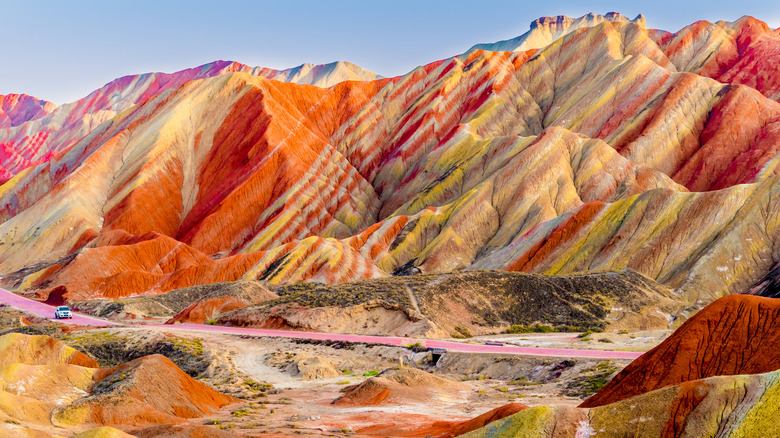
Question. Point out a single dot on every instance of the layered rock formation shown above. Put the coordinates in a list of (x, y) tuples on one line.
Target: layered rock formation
[(723, 406), (33, 131), (401, 385), (545, 30), (481, 302), (612, 147), (44, 383), (16, 109), (734, 335)]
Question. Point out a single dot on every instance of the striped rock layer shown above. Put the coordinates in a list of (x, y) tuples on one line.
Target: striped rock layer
[(717, 375), (734, 335), (723, 406), (612, 147), (45, 384), (32, 131)]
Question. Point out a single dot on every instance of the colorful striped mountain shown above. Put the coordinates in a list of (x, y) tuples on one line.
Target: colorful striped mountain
[(611, 147)]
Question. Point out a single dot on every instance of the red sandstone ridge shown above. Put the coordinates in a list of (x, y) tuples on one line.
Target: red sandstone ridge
[(220, 298), (144, 392), (441, 429), (483, 420), (737, 334), (16, 109)]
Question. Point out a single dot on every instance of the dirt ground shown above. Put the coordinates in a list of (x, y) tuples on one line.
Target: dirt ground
[(299, 406)]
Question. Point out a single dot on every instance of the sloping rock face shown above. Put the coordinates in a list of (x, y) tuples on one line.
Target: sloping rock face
[(16, 109), (723, 406), (544, 31), (481, 302), (229, 297), (37, 130), (442, 429), (401, 386), (613, 147), (40, 350), (738, 334), (148, 391), (44, 383)]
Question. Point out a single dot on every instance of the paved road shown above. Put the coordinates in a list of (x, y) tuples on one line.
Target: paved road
[(47, 311)]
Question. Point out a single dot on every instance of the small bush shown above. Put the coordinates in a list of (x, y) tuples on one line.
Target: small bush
[(463, 332), (538, 328), (517, 328), (371, 373), (416, 347)]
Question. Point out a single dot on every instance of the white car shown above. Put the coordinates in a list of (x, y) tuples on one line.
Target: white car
[(62, 312)]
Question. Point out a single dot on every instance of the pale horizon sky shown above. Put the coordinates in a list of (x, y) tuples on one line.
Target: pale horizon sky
[(62, 50)]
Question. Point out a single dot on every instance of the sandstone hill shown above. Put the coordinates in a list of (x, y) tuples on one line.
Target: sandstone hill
[(45, 384), (433, 305), (723, 406), (734, 335)]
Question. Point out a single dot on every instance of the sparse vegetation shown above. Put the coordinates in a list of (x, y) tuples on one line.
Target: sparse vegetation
[(462, 333), (371, 373), (110, 349), (542, 328), (524, 381), (416, 347), (591, 380)]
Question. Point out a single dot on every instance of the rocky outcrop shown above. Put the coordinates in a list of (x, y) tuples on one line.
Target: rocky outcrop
[(40, 350), (44, 383), (545, 30), (738, 334), (734, 406), (224, 298), (148, 391), (401, 385)]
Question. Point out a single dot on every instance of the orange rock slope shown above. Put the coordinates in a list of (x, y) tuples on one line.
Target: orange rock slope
[(738, 334), (599, 151), (45, 384)]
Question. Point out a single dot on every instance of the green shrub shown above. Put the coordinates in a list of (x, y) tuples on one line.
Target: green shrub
[(464, 332), (538, 328)]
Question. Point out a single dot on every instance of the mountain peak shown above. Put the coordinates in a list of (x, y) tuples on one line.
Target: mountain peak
[(545, 30)]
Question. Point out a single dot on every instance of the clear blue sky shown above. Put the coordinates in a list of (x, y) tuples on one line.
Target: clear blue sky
[(61, 50)]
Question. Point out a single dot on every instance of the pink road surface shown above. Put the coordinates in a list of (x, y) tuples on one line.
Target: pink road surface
[(390, 340), (46, 311)]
